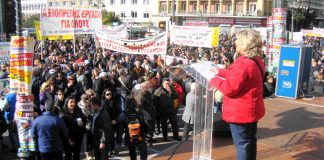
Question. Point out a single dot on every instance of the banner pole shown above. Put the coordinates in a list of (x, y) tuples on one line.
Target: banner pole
[(74, 35)]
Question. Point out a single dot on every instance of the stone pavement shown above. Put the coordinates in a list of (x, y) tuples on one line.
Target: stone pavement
[(290, 130)]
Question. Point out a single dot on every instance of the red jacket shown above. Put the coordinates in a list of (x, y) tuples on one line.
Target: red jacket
[(242, 87)]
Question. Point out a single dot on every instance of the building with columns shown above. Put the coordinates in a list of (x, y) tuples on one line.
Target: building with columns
[(232, 12), (77, 3), (31, 7)]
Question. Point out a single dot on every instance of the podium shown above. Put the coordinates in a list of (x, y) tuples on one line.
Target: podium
[(203, 112)]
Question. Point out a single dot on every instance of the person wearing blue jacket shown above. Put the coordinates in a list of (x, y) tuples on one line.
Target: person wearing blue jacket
[(8, 105), (49, 131)]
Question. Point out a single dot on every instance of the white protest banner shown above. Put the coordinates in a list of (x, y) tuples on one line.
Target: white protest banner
[(118, 31), (191, 36), (152, 45), (62, 21), (4, 52), (169, 59), (313, 33)]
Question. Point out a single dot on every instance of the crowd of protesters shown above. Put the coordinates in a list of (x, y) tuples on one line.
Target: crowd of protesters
[(106, 99), (317, 70)]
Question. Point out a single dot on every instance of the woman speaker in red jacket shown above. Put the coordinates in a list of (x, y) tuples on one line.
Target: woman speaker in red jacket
[(242, 86)]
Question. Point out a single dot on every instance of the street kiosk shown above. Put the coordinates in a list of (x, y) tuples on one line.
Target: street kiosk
[(294, 70)]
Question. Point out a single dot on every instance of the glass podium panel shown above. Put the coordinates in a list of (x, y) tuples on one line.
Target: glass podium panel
[(203, 117)]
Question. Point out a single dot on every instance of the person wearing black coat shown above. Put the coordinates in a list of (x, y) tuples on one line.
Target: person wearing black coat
[(97, 82), (72, 88), (163, 102), (110, 103), (75, 121), (135, 114), (101, 129)]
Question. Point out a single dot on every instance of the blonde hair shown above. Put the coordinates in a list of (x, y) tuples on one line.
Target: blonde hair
[(90, 91), (250, 41), (43, 87)]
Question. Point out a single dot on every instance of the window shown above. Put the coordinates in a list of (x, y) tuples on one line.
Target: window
[(90, 2), (57, 3), (205, 7), (146, 15), (164, 8), (122, 14), (112, 2), (134, 14), (72, 3), (184, 6), (194, 7), (228, 8), (146, 2), (217, 7), (81, 2), (252, 8), (122, 1), (134, 1), (64, 3)]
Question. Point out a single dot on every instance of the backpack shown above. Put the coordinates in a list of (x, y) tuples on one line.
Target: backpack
[(134, 129)]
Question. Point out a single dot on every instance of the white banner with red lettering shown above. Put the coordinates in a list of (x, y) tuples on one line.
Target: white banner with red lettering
[(152, 45), (62, 21), (191, 36)]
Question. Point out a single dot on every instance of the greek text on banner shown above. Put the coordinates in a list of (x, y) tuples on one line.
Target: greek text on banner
[(192, 36), (69, 21), (152, 45)]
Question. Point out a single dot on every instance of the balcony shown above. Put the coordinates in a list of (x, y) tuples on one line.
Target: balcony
[(251, 13)]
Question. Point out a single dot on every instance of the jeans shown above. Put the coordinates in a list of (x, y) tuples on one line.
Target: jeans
[(244, 138)]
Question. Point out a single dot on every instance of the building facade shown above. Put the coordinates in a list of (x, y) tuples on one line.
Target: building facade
[(77, 3), (32, 7), (2, 24), (216, 12), (132, 11)]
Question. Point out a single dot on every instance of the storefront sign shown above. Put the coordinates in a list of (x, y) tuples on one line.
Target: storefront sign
[(195, 23), (219, 20)]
